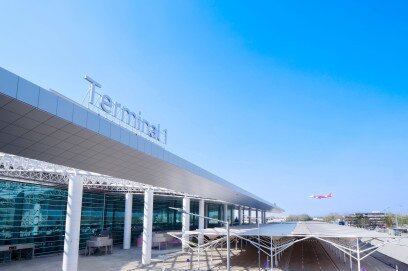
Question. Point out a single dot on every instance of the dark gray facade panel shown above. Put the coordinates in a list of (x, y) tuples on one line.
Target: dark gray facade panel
[(27, 123), (19, 108)]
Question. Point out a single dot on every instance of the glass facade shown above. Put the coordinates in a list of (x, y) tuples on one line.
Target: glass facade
[(31, 213), (215, 211)]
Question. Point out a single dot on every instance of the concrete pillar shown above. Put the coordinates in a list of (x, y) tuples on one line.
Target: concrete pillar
[(239, 215), (147, 227), (225, 212), (249, 216), (72, 223), (128, 221), (186, 222), (201, 205)]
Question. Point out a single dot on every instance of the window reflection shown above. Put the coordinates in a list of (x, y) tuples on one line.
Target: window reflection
[(31, 213)]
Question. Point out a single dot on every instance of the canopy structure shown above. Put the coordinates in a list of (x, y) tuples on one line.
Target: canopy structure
[(272, 239), (46, 126), (296, 229), (34, 171)]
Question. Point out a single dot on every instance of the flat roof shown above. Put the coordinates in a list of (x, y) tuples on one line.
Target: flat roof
[(296, 229), (40, 124)]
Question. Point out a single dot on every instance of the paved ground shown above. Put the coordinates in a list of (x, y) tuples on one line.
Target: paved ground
[(398, 250), (119, 260), (129, 260), (310, 255), (368, 264), (303, 256)]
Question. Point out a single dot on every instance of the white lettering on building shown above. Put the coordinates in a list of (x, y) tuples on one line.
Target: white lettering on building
[(127, 118)]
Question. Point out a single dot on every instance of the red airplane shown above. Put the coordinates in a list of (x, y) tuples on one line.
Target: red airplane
[(321, 196)]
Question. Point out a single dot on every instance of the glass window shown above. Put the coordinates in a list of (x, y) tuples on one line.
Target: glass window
[(32, 213)]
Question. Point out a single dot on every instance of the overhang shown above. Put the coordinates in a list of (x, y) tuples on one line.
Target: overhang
[(40, 124)]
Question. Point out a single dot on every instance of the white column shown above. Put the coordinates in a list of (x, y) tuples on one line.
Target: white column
[(205, 214), (257, 215), (271, 253), (201, 205), (128, 221), (275, 244), (72, 224), (239, 215), (225, 212), (186, 222), (358, 256), (147, 227)]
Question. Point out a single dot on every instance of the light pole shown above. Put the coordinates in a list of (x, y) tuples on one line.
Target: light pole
[(226, 223)]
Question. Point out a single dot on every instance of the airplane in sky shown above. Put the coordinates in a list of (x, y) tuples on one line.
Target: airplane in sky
[(321, 196)]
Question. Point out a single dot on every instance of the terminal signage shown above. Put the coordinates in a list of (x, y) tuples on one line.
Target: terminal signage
[(127, 118)]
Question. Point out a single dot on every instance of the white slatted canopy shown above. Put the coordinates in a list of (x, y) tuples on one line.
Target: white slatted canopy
[(296, 229)]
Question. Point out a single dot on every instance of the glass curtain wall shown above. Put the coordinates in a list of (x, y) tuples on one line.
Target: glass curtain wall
[(31, 213), (194, 206), (215, 211)]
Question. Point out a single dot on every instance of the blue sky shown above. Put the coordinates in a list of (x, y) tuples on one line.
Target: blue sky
[(283, 99)]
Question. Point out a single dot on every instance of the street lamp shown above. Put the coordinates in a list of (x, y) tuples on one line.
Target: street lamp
[(226, 223)]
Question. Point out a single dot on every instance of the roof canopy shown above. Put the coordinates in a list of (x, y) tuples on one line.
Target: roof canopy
[(46, 126), (295, 229)]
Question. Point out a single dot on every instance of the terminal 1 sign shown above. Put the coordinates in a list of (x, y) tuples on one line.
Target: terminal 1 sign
[(115, 111)]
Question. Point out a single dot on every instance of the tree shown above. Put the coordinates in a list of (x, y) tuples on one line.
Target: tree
[(333, 217), (389, 220), (301, 217)]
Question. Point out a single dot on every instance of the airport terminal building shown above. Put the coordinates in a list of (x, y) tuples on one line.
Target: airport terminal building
[(69, 171)]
